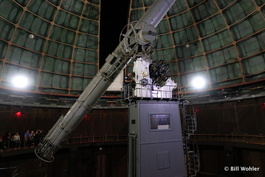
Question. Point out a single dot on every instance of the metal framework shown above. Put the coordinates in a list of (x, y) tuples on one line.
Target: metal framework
[(54, 43), (222, 41)]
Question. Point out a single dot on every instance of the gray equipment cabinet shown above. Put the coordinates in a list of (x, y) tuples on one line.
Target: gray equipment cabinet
[(155, 139)]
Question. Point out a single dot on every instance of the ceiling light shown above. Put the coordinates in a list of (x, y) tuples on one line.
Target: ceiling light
[(198, 82), (20, 82)]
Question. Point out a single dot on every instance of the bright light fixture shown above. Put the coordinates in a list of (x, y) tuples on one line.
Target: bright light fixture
[(198, 82), (20, 82)]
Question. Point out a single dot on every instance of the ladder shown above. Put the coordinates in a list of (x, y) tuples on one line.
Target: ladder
[(191, 150)]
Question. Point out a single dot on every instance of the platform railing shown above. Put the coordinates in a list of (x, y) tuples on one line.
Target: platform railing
[(148, 91), (72, 140), (96, 139), (234, 138)]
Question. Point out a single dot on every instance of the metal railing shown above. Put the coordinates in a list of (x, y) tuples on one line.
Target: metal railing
[(148, 91), (72, 140), (234, 138), (97, 139)]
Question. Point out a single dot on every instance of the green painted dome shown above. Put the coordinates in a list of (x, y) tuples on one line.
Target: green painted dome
[(220, 40), (54, 43)]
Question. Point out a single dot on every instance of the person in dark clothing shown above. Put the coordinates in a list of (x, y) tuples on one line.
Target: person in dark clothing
[(1, 144), (8, 140), (27, 139), (129, 83), (37, 137)]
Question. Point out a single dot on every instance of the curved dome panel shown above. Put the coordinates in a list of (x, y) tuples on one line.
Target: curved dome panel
[(222, 41), (54, 43)]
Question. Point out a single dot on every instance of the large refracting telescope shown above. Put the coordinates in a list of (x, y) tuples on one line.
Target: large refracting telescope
[(139, 40)]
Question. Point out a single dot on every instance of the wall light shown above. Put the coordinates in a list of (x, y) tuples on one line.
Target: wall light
[(198, 82), (20, 82), (18, 114)]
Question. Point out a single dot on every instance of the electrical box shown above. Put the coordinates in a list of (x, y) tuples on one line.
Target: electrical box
[(155, 139)]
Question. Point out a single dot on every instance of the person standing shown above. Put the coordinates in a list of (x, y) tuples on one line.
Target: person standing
[(8, 140), (128, 80), (27, 139), (31, 137), (37, 137), (16, 140), (1, 144)]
